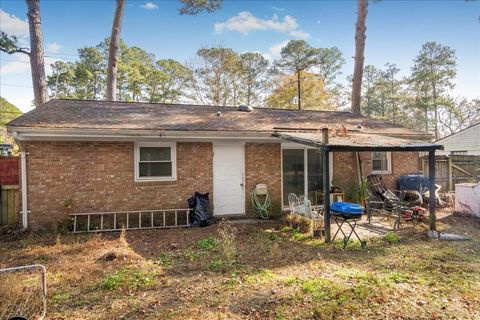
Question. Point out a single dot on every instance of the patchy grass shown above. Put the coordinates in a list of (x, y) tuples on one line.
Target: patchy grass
[(392, 237), (207, 244), (165, 259), (131, 279), (263, 271)]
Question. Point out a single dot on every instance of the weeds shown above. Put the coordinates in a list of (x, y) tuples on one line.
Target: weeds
[(392, 237), (297, 235), (165, 259), (216, 265), (227, 234), (131, 279), (262, 277), (122, 238), (207, 243)]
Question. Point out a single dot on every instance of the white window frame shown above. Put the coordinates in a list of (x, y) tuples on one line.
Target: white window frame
[(289, 145), (389, 164), (173, 157)]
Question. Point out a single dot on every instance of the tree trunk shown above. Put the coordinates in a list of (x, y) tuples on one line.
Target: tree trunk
[(434, 87), (37, 64), (360, 35), (113, 52), (299, 90), (426, 118)]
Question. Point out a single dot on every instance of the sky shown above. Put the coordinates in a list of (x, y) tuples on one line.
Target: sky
[(396, 31)]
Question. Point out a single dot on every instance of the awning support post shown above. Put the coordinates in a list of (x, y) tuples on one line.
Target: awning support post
[(432, 201), (326, 187)]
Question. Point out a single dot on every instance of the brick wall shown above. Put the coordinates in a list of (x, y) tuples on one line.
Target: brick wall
[(344, 174), (9, 170), (99, 176), (263, 165)]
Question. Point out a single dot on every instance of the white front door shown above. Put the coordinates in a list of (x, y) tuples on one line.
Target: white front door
[(228, 178)]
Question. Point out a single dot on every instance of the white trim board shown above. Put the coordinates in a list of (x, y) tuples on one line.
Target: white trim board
[(173, 157)]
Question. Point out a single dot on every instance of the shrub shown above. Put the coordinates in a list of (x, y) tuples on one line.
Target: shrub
[(65, 225), (227, 234)]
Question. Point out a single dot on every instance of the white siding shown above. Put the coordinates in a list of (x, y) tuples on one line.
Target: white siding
[(467, 140)]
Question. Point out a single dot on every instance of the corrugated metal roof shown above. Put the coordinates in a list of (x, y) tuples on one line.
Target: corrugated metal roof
[(84, 114), (343, 141)]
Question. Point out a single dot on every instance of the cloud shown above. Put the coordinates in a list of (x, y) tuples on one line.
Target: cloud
[(246, 22), (274, 8), (274, 51), (53, 47), (21, 64), (150, 6), (13, 25), (299, 34)]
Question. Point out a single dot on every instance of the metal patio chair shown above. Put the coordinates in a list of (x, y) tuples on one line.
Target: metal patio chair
[(383, 200), (302, 206)]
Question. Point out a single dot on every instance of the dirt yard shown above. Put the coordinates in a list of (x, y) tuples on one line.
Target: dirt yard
[(258, 271)]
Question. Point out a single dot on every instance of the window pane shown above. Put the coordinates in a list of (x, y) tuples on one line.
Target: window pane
[(315, 176), (379, 155), (155, 154), (155, 169), (379, 161), (384, 164), (377, 165), (293, 173)]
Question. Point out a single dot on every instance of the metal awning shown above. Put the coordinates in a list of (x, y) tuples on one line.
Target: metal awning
[(357, 142)]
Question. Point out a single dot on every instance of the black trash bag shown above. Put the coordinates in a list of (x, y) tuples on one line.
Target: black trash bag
[(199, 216)]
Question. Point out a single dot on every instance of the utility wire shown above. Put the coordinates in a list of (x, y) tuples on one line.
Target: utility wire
[(15, 85)]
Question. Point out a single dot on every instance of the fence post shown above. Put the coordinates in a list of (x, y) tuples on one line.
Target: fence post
[(450, 173), (431, 200)]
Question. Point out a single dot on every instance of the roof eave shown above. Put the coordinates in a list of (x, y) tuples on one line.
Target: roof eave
[(359, 148), (35, 133)]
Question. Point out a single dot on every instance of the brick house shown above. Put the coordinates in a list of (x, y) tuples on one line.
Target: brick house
[(115, 156)]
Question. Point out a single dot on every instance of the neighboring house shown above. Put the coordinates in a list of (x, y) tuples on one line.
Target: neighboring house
[(464, 142), (116, 156)]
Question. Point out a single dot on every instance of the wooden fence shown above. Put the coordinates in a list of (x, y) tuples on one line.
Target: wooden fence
[(9, 204), (450, 170)]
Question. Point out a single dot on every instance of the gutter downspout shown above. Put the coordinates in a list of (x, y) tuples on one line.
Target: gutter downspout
[(23, 170)]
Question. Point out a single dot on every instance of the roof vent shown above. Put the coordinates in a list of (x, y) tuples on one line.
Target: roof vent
[(245, 108), (219, 113), (359, 126)]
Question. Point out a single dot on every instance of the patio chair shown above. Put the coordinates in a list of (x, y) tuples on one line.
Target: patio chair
[(302, 206), (385, 201)]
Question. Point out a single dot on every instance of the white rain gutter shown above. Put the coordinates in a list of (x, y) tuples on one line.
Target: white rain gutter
[(26, 133)]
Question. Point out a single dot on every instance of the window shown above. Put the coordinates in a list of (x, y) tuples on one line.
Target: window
[(302, 174), (155, 162), (381, 162)]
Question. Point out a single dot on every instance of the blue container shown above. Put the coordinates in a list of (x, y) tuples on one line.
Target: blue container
[(417, 182), (347, 210)]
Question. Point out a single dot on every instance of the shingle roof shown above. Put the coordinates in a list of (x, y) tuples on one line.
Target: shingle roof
[(88, 114)]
